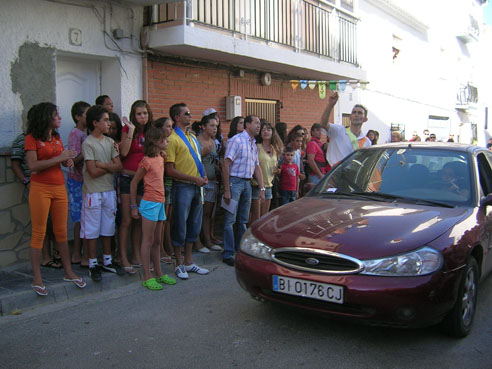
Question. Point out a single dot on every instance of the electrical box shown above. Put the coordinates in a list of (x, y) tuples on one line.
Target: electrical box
[(233, 107)]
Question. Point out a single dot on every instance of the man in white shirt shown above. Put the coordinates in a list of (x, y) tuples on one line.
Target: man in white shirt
[(344, 141)]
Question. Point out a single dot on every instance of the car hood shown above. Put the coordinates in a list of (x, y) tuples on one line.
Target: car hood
[(358, 228)]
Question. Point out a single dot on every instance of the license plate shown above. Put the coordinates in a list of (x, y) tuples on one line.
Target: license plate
[(304, 288)]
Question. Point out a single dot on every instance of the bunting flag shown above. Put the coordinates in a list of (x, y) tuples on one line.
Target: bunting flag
[(342, 84), (322, 89), (333, 85), (353, 84), (294, 84), (312, 84), (363, 84), (304, 83)]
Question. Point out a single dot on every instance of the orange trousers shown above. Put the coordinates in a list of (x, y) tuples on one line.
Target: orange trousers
[(47, 199)]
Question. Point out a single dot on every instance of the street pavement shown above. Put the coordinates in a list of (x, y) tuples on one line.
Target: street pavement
[(210, 322)]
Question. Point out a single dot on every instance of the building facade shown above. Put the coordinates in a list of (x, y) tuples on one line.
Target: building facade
[(58, 51)]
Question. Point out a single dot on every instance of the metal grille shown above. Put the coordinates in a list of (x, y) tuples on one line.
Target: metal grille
[(264, 109), (326, 263)]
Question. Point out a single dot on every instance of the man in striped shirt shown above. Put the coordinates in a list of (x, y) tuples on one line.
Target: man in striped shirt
[(240, 165)]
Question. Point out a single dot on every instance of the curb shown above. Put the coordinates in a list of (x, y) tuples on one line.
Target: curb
[(14, 303)]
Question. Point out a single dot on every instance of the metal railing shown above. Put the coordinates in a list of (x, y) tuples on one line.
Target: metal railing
[(305, 25)]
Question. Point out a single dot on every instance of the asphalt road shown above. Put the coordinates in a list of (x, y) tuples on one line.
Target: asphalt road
[(210, 322)]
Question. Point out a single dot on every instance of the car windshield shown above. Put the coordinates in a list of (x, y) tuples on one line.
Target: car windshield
[(411, 174)]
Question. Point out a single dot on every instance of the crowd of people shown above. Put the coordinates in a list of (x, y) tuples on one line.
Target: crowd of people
[(157, 184)]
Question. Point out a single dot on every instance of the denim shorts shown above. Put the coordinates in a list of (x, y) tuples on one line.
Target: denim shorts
[(255, 193), (125, 181), (75, 198), (154, 211), (210, 192), (187, 213)]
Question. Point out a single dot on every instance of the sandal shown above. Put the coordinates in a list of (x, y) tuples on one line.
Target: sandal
[(166, 279), (166, 260), (40, 290), (130, 270), (52, 264), (79, 282), (152, 284)]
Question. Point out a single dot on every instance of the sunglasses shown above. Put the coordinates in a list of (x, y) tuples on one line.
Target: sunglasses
[(187, 113)]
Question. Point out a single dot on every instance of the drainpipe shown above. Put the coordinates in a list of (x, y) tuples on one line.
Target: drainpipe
[(145, 77)]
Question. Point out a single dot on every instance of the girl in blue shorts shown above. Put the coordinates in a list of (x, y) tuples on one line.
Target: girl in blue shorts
[(152, 206)]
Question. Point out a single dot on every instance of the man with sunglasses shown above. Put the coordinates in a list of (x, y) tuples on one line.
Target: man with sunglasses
[(183, 163), (344, 141)]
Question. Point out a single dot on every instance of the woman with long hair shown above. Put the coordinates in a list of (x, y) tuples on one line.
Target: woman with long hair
[(44, 154), (269, 151), (131, 151)]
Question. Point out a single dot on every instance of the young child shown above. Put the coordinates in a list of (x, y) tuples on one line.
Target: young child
[(152, 206), (289, 178), (101, 161), (76, 180)]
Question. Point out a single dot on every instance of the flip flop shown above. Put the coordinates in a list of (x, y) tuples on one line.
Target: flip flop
[(52, 264), (40, 290), (152, 284), (166, 260), (79, 282), (166, 279), (130, 270), (137, 265)]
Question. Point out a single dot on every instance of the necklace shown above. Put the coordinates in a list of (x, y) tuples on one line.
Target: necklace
[(268, 149)]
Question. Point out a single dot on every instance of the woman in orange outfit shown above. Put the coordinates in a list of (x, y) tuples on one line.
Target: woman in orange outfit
[(44, 154)]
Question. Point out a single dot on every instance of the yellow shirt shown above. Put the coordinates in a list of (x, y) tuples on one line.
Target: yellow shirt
[(179, 154), (267, 165)]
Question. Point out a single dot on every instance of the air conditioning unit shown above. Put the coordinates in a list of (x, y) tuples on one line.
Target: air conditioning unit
[(233, 107)]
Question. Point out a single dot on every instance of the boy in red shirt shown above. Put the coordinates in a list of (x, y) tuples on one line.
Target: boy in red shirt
[(289, 178)]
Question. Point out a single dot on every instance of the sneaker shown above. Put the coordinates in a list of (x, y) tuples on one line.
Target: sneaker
[(215, 248), (114, 268), (95, 274), (195, 269), (204, 250), (181, 272)]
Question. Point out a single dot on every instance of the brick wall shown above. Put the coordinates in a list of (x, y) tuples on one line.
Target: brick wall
[(203, 87)]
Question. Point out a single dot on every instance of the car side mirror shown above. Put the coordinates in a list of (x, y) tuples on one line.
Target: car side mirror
[(486, 200)]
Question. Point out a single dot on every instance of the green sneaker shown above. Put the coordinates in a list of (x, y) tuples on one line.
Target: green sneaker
[(166, 279)]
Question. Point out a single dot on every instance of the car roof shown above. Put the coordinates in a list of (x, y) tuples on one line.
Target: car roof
[(431, 145)]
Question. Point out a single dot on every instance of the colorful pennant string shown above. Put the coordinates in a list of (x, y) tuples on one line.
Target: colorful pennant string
[(322, 89), (304, 83)]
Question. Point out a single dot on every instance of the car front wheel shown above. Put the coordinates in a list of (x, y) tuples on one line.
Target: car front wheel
[(460, 319)]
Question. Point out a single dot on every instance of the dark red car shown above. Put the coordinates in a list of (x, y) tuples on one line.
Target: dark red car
[(397, 234)]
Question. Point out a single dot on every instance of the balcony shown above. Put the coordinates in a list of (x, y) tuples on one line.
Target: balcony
[(300, 38)]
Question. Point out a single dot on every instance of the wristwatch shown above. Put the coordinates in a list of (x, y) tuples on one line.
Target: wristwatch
[(262, 189), (26, 181)]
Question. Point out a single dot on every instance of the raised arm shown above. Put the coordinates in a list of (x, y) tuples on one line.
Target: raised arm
[(332, 100), (126, 138)]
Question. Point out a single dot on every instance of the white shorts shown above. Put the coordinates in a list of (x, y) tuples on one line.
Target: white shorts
[(98, 215)]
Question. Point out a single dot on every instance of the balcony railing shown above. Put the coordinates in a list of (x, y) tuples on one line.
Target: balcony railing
[(305, 25)]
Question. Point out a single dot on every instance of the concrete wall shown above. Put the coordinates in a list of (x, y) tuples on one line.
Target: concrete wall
[(34, 34)]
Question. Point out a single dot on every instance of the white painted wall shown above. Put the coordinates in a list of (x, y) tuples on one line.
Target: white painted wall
[(426, 75), (47, 23)]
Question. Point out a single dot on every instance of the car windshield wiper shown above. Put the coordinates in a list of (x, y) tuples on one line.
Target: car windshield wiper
[(381, 196), (356, 194), (412, 200)]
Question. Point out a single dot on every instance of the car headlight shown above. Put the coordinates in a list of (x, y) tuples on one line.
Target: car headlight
[(416, 263), (253, 247)]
